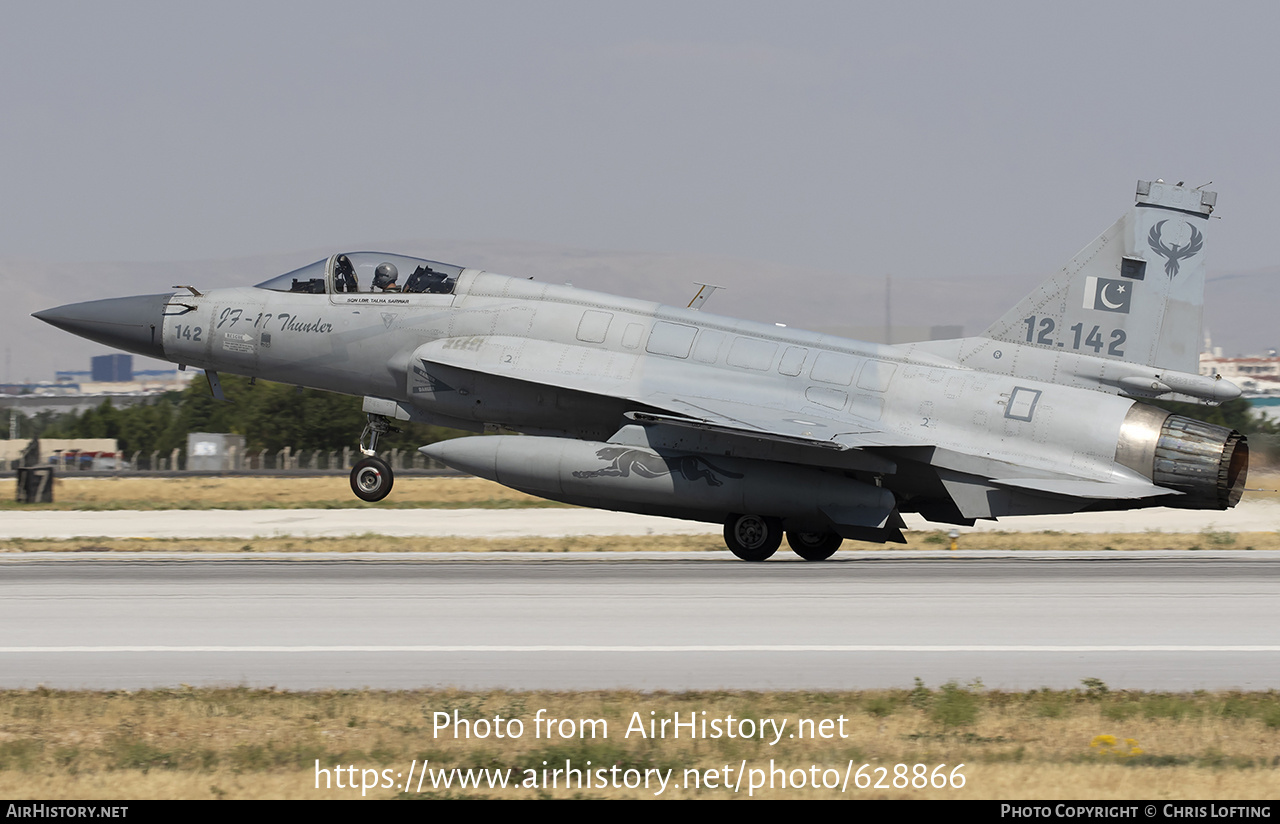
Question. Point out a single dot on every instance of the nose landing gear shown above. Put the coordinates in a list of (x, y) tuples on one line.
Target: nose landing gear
[(371, 477)]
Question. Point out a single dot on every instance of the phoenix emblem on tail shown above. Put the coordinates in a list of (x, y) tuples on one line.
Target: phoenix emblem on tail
[(1174, 253)]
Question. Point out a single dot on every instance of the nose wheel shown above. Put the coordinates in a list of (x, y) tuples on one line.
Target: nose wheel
[(371, 479)]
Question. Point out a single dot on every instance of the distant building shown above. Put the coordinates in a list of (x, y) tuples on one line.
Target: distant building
[(68, 453), (1257, 375), (214, 450), (111, 375), (112, 368)]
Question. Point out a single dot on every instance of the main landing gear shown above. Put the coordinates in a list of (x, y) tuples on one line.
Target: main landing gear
[(757, 537), (371, 477), (814, 546), (752, 537)]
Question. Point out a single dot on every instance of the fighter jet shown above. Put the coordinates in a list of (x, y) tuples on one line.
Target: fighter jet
[(629, 405)]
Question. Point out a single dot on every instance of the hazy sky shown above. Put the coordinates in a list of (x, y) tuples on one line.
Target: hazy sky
[(916, 139)]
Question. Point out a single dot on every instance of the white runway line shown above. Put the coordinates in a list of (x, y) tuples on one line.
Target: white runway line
[(1250, 516), (341, 523), (698, 648)]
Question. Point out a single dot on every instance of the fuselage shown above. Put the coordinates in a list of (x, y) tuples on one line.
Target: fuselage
[(575, 357), (487, 352), (632, 405)]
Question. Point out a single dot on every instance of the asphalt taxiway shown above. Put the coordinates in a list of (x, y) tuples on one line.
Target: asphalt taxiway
[(864, 619), (1249, 516)]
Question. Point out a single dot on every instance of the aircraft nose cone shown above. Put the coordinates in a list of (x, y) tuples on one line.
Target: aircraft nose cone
[(133, 324)]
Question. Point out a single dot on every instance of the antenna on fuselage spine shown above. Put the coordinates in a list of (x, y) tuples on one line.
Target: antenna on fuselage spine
[(706, 290)]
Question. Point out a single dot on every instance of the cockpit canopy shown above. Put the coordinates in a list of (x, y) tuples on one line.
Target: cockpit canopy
[(369, 273)]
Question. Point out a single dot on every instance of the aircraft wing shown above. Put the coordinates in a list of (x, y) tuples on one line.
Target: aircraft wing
[(723, 425), (754, 421), (747, 422), (697, 423)]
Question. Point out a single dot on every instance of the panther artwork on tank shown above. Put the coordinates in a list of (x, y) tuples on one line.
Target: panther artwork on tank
[(625, 460)]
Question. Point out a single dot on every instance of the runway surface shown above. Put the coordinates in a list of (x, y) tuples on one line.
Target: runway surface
[(1163, 620), (1250, 516)]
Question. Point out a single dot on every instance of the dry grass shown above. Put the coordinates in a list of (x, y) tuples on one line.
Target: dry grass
[(247, 492), (1121, 541), (978, 542), (240, 743), (376, 543)]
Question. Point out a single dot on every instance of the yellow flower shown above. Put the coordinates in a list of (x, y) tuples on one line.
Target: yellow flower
[(1107, 745)]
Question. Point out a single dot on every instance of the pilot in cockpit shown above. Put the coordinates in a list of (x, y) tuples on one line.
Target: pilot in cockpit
[(384, 277)]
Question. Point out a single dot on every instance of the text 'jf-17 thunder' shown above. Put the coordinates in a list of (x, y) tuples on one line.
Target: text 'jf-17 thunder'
[(634, 406)]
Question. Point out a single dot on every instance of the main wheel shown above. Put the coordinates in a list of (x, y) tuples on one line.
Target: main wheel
[(752, 537), (371, 479), (814, 546)]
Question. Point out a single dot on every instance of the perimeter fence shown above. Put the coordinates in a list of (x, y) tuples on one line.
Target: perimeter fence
[(236, 462)]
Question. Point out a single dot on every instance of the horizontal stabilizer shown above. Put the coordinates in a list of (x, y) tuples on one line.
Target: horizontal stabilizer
[(1095, 490)]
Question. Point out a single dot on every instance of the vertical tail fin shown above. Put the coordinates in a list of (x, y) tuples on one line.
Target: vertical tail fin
[(1135, 294)]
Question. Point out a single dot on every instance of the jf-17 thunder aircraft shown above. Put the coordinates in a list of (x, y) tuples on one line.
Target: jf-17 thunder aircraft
[(633, 406)]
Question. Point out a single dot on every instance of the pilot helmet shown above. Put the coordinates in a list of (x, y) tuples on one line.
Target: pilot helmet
[(385, 275)]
